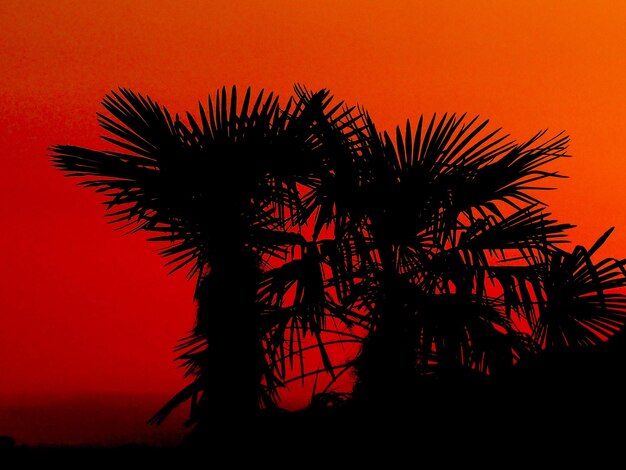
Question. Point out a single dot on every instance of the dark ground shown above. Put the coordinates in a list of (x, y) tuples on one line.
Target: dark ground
[(562, 410)]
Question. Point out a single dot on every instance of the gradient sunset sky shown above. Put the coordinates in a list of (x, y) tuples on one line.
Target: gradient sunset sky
[(85, 310)]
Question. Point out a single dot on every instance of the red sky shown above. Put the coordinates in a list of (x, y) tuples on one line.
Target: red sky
[(86, 310)]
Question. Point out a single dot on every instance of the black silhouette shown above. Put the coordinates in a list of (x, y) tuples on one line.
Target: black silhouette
[(229, 196), (431, 249), (468, 277), (6, 443)]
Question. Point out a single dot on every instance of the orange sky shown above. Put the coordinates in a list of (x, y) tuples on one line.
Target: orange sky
[(84, 309)]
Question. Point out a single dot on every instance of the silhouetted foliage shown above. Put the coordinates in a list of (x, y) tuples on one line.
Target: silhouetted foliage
[(305, 227), (469, 278), (229, 197)]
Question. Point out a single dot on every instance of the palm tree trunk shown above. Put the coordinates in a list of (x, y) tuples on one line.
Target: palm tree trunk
[(228, 318), (386, 366)]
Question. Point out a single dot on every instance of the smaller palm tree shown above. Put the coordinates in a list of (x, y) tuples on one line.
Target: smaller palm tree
[(458, 267)]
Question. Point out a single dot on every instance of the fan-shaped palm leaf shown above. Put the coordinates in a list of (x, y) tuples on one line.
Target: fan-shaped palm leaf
[(582, 302)]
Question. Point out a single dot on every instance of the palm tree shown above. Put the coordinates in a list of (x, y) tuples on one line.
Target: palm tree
[(228, 198), (464, 276)]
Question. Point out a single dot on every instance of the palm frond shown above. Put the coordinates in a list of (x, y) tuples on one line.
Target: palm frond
[(449, 167), (339, 134), (511, 177), (583, 302), (525, 230), (190, 392), (454, 332), (297, 291)]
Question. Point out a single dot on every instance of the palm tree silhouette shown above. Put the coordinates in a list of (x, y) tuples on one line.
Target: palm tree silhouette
[(430, 250), (465, 276), (229, 198)]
